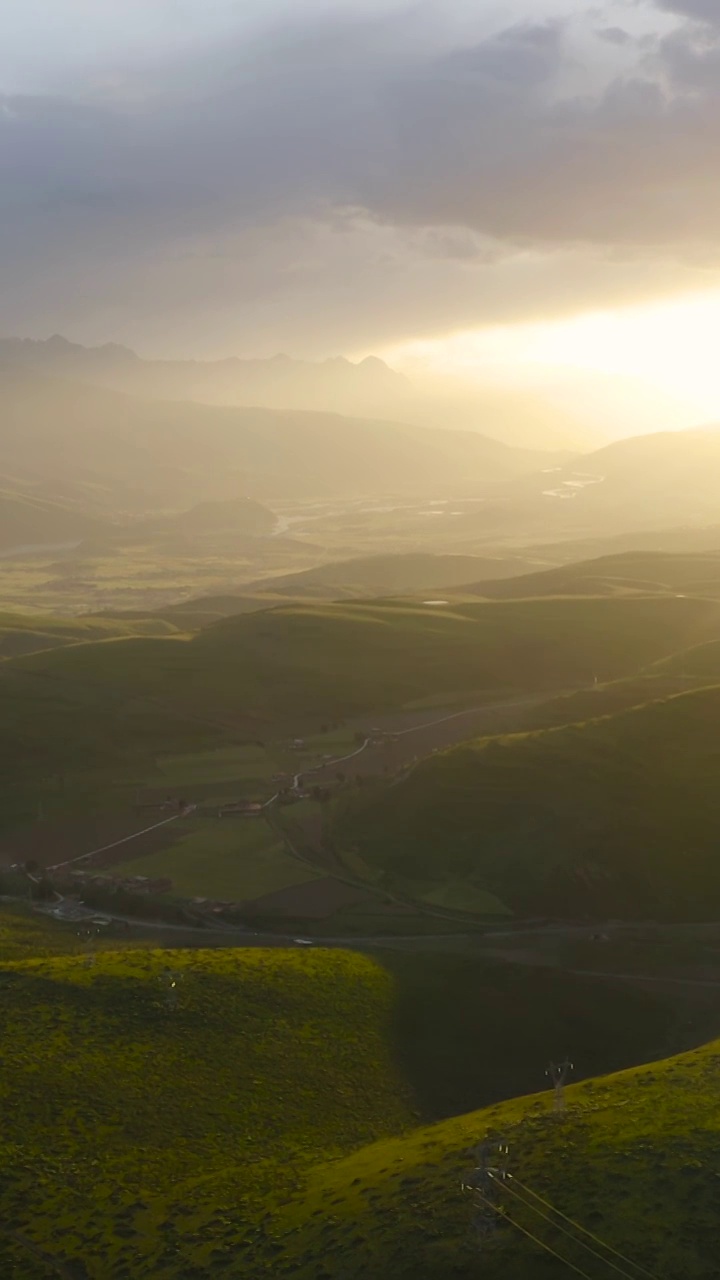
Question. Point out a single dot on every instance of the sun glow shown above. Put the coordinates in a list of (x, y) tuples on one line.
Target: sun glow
[(672, 348)]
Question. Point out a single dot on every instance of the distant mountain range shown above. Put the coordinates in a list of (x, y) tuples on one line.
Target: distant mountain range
[(335, 385), (369, 388)]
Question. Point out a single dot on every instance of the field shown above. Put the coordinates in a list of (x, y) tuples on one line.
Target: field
[(260, 1117), (233, 859)]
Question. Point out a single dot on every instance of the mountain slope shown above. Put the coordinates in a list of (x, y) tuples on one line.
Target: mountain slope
[(613, 817), (258, 1117), (26, 520), (633, 1160), (646, 482), (174, 1116), (22, 634), (333, 385), (141, 454), (400, 574), (304, 664), (656, 573), (368, 388)]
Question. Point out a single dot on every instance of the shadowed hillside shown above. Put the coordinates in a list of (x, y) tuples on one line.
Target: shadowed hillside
[(130, 698), (613, 817), (650, 573)]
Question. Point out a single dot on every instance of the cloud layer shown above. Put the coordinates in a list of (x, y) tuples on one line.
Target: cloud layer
[(301, 179)]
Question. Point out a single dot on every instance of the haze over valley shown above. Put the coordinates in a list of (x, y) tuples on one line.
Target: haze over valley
[(359, 640)]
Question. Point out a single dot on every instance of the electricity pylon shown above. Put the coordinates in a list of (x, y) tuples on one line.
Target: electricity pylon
[(558, 1073), (483, 1182)]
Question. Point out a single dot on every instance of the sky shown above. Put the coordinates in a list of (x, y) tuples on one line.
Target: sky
[(522, 190)]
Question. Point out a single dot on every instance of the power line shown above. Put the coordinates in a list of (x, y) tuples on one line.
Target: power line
[(567, 1233), (536, 1240), (638, 1267)]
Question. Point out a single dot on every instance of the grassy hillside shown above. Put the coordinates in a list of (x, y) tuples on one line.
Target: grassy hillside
[(208, 1129), (21, 633), (128, 699), (131, 1151), (633, 1160), (616, 816), (259, 1118), (385, 575), (649, 572), (701, 662)]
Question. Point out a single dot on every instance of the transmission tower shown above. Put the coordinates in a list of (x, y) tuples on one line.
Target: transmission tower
[(557, 1074), (484, 1182)]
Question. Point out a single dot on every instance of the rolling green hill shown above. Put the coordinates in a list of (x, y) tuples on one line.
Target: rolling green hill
[(400, 574), (21, 634), (611, 817), (260, 1118), (127, 699), (254, 1119), (131, 1152), (647, 572), (633, 1160)]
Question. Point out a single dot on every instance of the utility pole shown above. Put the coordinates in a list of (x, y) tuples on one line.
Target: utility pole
[(558, 1073)]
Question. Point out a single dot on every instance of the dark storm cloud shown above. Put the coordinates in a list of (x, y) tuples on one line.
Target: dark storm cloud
[(242, 156)]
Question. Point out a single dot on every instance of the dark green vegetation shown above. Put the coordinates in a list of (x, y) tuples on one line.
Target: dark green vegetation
[(367, 577), (388, 575), (236, 861), (612, 817), (128, 700), (634, 1160), (135, 1151), (650, 573), (81, 720), (256, 1119), (20, 634)]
